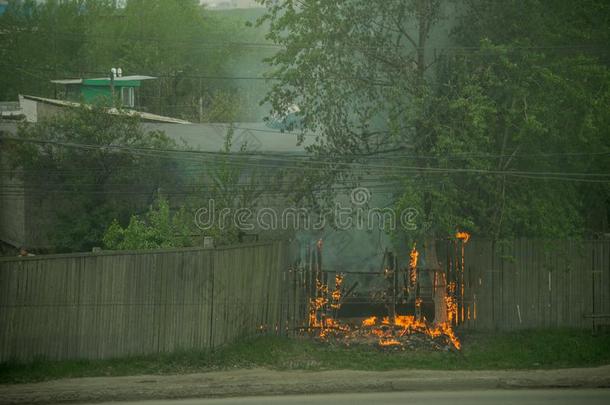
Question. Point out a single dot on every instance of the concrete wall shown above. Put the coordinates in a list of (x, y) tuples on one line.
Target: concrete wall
[(12, 198), (12, 206), (35, 111), (25, 214)]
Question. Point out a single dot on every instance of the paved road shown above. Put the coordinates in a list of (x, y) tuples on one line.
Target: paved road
[(252, 382), (492, 397)]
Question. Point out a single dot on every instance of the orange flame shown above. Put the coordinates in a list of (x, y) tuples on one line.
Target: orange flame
[(413, 266), (318, 308), (389, 342), (336, 294), (389, 333), (370, 321), (464, 236), (451, 303)]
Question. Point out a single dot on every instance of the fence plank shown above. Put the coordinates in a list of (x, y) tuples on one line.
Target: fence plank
[(115, 304), (555, 283)]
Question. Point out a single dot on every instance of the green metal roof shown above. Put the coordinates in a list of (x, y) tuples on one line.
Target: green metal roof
[(106, 83), (124, 81)]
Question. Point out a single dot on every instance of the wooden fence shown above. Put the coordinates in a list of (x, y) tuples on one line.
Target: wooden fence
[(537, 284), (114, 304)]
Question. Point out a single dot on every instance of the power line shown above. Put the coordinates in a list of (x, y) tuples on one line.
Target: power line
[(156, 75), (275, 159), (330, 166), (76, 36), (301, 156)]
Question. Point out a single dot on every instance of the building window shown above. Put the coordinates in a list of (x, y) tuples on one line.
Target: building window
[(127, 97)]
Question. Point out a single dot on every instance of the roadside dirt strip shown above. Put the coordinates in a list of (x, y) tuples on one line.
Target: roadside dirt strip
[(269, 382)]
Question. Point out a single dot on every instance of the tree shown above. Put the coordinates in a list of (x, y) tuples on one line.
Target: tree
[(526, 98), (161, 38), (183, 45), (468, 129), (359, 73), (44, 41), (231, 183), (355, 69), (158, 228), (86, 167)]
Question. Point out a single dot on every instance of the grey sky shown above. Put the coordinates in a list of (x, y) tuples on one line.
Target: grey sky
[(228, 4)]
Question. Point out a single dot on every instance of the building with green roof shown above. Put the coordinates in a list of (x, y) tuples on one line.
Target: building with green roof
[(121, 89)]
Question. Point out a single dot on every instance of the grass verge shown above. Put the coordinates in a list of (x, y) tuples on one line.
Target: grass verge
[(481, 351)]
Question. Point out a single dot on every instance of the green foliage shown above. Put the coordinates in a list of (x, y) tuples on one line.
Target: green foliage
[(351, 67), (78, 190), (222, 106), (358, 73), (158, 228), (161, 38), (232, 185), (177, 41), (41, 41), (517, 106), (525, 91)]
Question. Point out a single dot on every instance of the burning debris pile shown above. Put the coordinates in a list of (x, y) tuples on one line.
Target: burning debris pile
[(405, 332), (394, 331)]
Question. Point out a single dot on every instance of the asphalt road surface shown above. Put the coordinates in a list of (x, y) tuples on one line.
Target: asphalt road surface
[(493, 397)]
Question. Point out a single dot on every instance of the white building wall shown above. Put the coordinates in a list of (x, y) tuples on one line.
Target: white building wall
[(12, 199)]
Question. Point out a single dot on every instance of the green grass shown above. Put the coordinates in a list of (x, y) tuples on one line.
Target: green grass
[(516, 350)]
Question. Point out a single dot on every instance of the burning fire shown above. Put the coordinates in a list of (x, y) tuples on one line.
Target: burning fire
[(413, 266), (463, 236), (451, 303), (389, 342), (370, 321), (418, 302), (386, 330), (389, 331), (336, 294), (452, 293)]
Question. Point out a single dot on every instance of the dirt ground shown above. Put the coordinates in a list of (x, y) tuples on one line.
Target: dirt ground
[(271, 382)]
